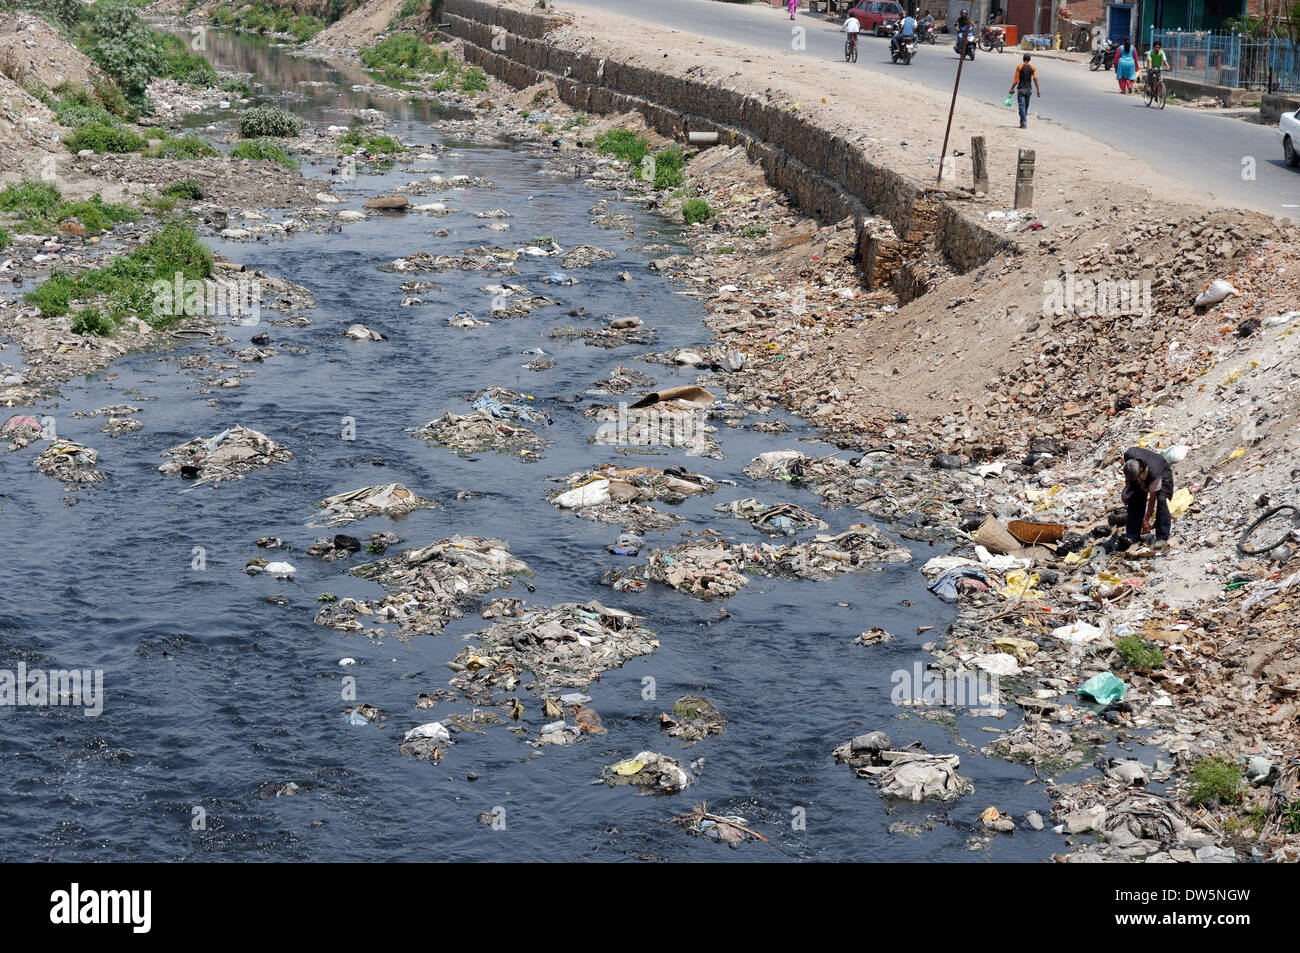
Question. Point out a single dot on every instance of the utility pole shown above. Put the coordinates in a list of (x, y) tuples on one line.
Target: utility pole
[(961, 59)]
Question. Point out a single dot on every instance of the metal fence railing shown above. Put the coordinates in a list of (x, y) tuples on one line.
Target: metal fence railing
[(1230, 59)]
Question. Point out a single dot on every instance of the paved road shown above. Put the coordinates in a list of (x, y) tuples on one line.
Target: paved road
[(1193, 148)]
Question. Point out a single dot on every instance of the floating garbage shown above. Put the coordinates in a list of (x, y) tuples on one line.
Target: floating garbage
[(70, 462), (621, 495), (693, 718), (729, 829), (385, 499), (564, 646), (775, 518), (428, 586), (911, 773), (485, 429), (649, 769), (581, 256), (226, 456)]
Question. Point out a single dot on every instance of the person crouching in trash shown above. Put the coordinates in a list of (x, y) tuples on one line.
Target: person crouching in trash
[(1148, 487)]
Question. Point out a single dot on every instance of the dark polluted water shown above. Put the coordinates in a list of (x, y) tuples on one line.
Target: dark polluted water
[(211, 692)]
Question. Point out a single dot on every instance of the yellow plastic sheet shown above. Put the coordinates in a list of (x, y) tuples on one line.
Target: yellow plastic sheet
[(1020, 585), (1180, 503)]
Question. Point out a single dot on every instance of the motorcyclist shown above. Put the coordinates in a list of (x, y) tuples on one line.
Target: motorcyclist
[(906, 31), (963, 32), (928, 20)]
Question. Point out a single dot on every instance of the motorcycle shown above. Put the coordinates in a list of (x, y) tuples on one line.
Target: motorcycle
[(1102, 56), (924, 33), (902, 48), (992, 38), (970, 47)]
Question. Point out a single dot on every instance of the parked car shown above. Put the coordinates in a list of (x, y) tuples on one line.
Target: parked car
[(1288, 130), (873, 15)]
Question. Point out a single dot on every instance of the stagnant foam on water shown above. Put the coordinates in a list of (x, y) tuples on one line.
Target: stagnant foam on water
[(212, 692)]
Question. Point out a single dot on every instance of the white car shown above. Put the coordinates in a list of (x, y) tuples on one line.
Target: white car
[(1288, 130)]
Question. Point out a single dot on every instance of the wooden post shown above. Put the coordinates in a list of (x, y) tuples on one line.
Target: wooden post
[(1025, 179), (979, 164)]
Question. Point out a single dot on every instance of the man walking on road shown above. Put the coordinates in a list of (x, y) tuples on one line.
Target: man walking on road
[(1023, 84)]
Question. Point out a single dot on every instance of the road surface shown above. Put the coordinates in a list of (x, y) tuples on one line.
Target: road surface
[(1192, 148)]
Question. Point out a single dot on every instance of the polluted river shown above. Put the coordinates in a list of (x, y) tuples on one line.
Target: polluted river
[(230, 726)]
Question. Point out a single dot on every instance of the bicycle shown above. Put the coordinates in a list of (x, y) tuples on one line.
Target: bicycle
[(851, 48), (1154, 89)]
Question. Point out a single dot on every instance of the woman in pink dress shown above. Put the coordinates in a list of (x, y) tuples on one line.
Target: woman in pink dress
[(793, 5)]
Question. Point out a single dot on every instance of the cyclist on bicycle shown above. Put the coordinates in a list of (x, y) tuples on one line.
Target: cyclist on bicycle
[(1157, 62), (851, 26)]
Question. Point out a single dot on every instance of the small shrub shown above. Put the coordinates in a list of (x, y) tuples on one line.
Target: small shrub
[(1138, 653), (261, 121), (188, 146), (177, 61), (101, 138), (123, 46), (4, 239), (473, 80), (125, 285), (191, 189), (668, 165), (239, 88), (1215, 781), (623, 144), (92, 321), (754, 231), (695, 211), (262, 149)]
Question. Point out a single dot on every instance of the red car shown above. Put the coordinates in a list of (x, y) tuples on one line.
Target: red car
[(872, 15)]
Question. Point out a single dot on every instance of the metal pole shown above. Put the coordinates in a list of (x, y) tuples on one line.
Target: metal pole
[(961, 59)]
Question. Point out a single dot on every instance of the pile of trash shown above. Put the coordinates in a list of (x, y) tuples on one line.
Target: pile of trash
[(22, 429), (70, 462), (487, 428), (778, 519), (227, 456), (649, 769), (910, 773), (729, 829), (673, 417), (386, 499), (610, 336), (564, 646), (581, 256), (621, 495), (693, 718), (713, 569), (429, 585), (622, 379)]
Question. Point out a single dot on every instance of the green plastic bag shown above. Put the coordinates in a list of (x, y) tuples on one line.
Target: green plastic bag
[(1007, 101), (1104, 688)]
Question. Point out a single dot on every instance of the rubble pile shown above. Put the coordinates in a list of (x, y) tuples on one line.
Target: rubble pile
[(225, 456), (429, 586), (909, 773), (621, 495), (563, 646), (386, 499)]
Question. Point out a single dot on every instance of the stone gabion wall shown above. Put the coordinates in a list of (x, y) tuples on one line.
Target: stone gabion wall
[(825, 175)]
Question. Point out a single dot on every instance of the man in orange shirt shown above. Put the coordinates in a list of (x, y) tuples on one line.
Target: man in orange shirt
[(1023, 84)]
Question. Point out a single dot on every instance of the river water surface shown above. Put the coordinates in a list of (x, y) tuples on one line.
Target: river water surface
[(212, 692)]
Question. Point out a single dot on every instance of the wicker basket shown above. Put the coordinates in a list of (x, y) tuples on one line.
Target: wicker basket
[(1032, 534), (993, 536)]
